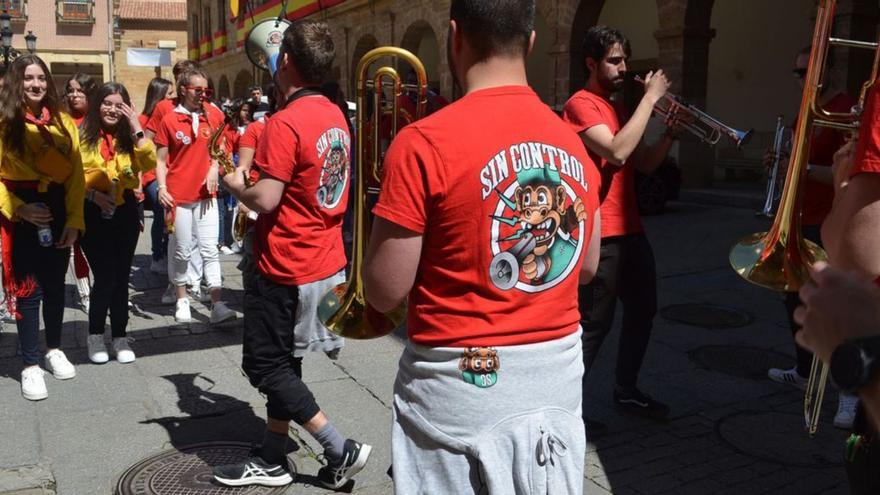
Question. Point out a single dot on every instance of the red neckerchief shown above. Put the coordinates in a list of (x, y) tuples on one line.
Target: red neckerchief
[(45, 117), (108, 151)]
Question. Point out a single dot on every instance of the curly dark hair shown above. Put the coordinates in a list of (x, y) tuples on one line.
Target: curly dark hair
[(600, 39)]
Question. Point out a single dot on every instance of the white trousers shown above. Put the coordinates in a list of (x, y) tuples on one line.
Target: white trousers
[(196, 226)]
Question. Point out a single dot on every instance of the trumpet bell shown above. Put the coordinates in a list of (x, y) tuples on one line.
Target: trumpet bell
[(743, 137), (775, 265), (345, 312)]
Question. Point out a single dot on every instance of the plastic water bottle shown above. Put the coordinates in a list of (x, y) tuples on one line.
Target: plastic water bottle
[(44, 232)]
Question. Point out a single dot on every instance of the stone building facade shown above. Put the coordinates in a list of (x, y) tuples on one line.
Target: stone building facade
[(730, 57)]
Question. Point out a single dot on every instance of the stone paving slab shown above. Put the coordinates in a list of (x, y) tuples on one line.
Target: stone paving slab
[(186, 387)]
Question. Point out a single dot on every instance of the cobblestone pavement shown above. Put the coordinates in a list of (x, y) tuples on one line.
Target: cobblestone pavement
[(731, 430)]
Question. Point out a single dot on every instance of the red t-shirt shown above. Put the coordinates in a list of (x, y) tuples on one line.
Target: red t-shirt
[(867, 157), (491, 183), (620, 211), (818, 197), (307, 147), (188, 158), (150, 176), (164, 107), (252, 134)]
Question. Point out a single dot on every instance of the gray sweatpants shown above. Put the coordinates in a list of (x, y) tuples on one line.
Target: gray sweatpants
[(523, 435)]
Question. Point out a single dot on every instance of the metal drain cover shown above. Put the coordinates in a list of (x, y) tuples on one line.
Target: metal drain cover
[(744, 362), (706, 315), (187, 471), (782, 439)]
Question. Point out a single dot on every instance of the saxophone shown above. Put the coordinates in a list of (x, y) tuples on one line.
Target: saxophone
[(218, 152)]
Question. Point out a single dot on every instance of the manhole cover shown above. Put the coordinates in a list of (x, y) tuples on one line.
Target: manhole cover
[(706, 315), (782, 439), (744, 362), (187, 471)]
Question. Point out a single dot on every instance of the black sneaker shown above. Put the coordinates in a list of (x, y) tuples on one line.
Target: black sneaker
[(354, 458), (253, 471), (635, 402)]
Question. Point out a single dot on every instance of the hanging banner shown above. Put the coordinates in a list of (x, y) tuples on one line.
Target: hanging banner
[(148, 57)]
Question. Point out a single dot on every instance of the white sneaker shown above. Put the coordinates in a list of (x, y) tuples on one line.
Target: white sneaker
[(59, 366), (182, 313), (33, 385), (226, 250), (790, 377), (221, 312), (236, 248), (159, 266), (123, 351), (97, 349), (846, 411), (170, 295), (198, 295)]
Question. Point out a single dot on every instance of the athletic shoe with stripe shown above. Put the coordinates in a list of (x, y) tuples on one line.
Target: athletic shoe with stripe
[(354, 458), (253, 471), (790, 377)]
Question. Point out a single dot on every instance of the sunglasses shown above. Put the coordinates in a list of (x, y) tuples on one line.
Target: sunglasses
[(799, 73), (200, 90)]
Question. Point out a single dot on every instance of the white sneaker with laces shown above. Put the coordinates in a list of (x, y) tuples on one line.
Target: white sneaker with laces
[(789, 377), (846, 411), (59, 366), (159, 266), (220, 312), (97, 349), (225, 250), (33, 385), (123, 351), (182, 313), (170, 295)]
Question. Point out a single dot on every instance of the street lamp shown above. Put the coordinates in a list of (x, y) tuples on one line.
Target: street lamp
[(31, 40), (6, 39)]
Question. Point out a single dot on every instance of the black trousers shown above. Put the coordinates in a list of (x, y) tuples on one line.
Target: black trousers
[(109, 245), (792, 301), (47, 266), (267, 355), (626, 272)]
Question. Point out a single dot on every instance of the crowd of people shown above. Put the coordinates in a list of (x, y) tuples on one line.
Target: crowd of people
[(511, 247)]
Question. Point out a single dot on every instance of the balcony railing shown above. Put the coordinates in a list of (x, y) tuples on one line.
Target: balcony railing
[(75, 11)]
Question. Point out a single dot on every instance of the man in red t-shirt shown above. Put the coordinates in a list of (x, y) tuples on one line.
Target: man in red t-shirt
[(626, 267), (815, 203), (302, 160), (486, 222)]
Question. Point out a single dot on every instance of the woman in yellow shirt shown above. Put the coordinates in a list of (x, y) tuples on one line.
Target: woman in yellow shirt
[(114, 153), (41, 200)]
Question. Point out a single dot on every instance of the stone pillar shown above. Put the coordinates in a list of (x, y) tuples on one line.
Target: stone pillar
[(684, 57)]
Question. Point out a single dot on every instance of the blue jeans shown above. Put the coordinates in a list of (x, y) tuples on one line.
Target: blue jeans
[(157, 231)]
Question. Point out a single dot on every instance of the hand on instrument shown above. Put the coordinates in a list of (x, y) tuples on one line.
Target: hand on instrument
[(235, 182), (656, 85), (104, 201), (843, 163), (68, 238), (35, 213), (212, 179), (837, 305), (530, 266), (165, 199)]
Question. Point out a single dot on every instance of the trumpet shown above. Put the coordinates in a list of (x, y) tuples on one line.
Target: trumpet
[(773, 176), (702, 125), (780, 259)]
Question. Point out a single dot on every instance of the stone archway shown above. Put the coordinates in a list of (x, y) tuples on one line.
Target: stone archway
[(366, 43), (421, 40), (586, 16), (242, 80), (223, 87)]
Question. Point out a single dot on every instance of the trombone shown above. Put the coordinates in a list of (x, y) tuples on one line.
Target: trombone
[(702, 125), (344, 309), (780, 259)]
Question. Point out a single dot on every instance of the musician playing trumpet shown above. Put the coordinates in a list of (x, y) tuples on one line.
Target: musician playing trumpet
[(814, 204), (626, 267)]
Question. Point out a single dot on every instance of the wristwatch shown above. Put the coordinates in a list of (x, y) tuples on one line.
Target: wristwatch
[(138, 135), (855, 363)]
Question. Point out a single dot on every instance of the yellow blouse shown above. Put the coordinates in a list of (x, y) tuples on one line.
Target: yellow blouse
[(22, 167), (124, 167)]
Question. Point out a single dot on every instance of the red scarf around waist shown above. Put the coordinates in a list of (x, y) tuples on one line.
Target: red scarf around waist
[(14, 288)]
